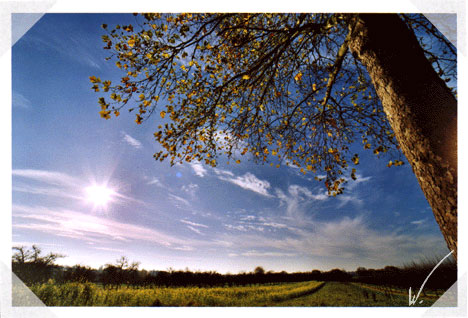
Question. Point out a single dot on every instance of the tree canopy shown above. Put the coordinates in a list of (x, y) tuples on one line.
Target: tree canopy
[(282, 87), (33, 256)]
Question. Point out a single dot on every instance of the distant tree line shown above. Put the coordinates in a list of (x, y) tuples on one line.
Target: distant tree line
[(31, 267), (411, 275)]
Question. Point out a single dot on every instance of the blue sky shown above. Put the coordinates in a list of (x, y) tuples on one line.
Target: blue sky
[(229, 219)]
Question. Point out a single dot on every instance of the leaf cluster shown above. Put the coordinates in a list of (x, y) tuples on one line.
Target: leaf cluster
[(282, 87)]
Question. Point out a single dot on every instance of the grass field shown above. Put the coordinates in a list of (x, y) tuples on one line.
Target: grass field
[(285, 294)]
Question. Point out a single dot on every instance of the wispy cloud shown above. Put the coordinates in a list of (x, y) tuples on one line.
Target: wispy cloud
[(351, 198), (132, 141), (418, 222), (238, 227), (72, 47), (351, 195), (194, 229), (248, 217), (346, 238), (155, 181), (223, 172), (255, 253), (276, 225), (193, 223), (245, 227), (18, 100), (249, 182), (88, 228), (177, 199), (49, 191), (184, 248), (297, 199), (50, 177), (199, 169), (191, 189), (108, 249), (352, 184), (28, 243)]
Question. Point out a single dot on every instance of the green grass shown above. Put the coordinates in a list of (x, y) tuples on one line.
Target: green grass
[(309, 294)]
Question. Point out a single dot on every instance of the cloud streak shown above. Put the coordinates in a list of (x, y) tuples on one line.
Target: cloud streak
[(249, 182), (348, 239), (179, 200), (51, 191), (88, 228), (297, 199), (50, 177), (69, 46), (18, 100), (194, 224), (132, 141)]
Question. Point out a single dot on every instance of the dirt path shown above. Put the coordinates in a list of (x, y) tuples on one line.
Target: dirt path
[(338, 294)]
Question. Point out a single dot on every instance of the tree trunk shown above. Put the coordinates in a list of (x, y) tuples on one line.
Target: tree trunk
[(421, 109)]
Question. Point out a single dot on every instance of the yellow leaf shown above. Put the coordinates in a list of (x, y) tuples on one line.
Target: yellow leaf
[(138, 119), (94, 79), (105, 114), (116, 113), (245, 77), (298, 77), (238, 161), (163, 114), (131, 42)]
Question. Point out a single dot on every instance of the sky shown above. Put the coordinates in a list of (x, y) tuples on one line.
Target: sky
[(230, 218)]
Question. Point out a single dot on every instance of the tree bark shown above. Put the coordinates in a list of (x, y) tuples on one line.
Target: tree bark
[(420, 107)]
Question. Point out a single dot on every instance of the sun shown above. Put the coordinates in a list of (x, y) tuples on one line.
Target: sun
[(99, 195)]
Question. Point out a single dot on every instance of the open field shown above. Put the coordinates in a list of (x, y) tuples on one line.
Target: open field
[(310, 293)]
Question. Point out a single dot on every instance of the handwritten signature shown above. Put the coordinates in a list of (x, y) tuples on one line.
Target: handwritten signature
[(413, 299)]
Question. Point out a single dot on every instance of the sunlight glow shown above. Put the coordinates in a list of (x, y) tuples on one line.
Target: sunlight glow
[(99, 195)]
